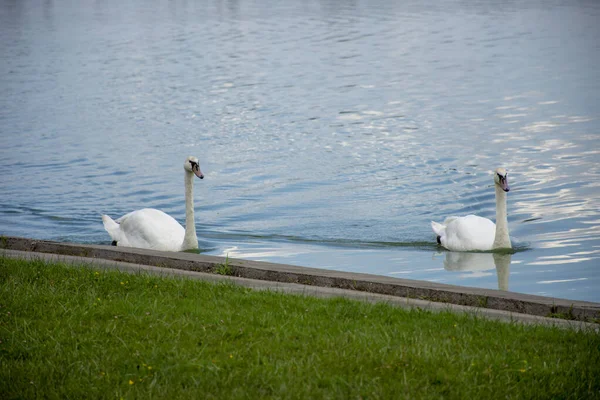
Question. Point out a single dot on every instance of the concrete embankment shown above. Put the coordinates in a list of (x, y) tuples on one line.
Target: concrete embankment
[(319, 282)]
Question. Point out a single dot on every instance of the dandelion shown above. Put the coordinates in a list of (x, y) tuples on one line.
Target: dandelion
[(231, 356), (149, 367), (131, 382), (122, 283)]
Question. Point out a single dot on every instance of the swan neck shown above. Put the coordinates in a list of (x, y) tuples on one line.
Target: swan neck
[(502, 238), (190, 241)]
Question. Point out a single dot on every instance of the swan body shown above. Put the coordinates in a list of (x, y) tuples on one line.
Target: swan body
[(146, 229), (466, 233), (472, 232), (149, 228)]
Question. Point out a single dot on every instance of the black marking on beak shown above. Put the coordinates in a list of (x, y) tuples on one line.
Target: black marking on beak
[(502, 181), (196, 169)]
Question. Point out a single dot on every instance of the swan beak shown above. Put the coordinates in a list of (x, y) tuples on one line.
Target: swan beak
[(196, 169), (504, 184)]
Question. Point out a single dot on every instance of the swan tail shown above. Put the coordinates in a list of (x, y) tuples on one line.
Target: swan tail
[(438, 229), (111, 227)]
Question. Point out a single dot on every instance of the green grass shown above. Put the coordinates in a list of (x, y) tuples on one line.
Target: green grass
[(225, 268), (76, 332)]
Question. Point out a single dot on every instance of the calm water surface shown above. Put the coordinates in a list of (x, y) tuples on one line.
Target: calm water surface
[(330, 132)]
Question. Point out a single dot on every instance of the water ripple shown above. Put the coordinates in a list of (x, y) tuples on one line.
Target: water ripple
[(329, 133)]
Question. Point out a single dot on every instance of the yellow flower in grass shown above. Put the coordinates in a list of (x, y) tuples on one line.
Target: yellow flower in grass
[(131, 382)]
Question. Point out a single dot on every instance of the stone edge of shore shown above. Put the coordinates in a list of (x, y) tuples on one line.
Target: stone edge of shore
[(403, 288)]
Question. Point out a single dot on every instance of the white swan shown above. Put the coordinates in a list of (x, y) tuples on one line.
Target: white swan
[(477, 233), (153, 229)]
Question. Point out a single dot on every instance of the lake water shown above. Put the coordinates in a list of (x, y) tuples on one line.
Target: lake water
[(330, 132)]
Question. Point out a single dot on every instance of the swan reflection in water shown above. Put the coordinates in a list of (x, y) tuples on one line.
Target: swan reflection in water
[(461, 261)]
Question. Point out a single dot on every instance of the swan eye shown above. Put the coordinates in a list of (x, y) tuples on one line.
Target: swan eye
[(194, 165)]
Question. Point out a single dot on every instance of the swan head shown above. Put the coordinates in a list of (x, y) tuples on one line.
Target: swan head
[(192, 164), (501, 179)]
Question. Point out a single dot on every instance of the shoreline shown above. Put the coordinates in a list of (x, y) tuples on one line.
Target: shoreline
[(490, 303)]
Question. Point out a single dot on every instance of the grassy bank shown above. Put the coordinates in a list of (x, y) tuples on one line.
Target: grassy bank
[(70, 332)]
